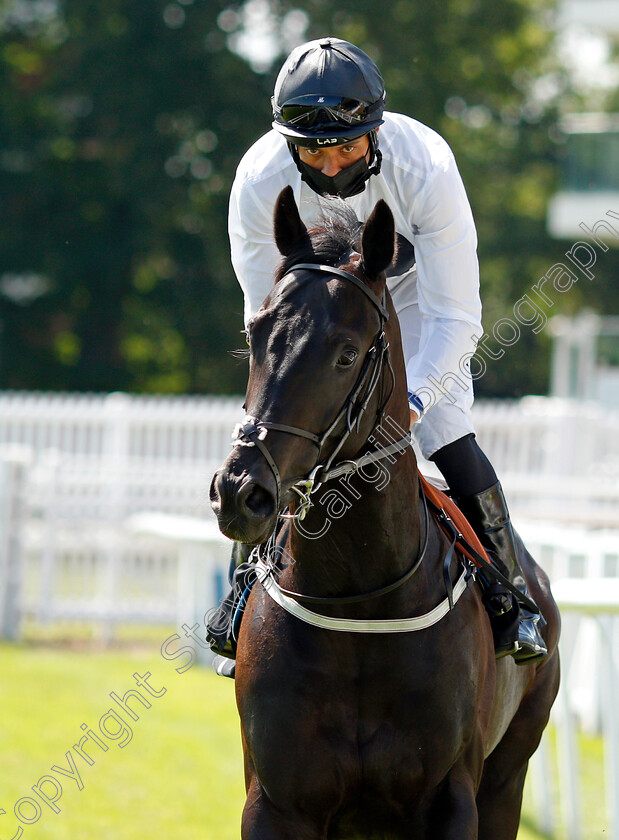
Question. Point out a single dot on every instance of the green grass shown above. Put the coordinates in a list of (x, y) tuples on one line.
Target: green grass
[(594, 818), (180, 776)]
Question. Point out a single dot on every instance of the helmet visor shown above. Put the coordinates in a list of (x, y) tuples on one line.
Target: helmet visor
[(308, 111)]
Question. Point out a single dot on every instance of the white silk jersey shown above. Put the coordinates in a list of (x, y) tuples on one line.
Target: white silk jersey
[(435, 280)]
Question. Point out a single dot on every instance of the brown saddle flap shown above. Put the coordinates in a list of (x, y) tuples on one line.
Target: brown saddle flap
[(463, 526)]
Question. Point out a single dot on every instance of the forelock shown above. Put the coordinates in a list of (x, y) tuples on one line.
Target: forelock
[(332, 241)]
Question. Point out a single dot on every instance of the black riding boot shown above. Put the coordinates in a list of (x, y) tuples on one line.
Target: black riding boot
[(240, 554), (224, 622), (514, 626)]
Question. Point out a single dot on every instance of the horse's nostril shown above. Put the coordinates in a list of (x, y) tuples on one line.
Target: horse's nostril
[(259, 501)]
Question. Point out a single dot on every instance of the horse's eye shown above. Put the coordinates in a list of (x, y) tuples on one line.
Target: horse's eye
[(347, 358)]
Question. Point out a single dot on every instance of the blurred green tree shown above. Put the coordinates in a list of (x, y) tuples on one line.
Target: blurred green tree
[(122, 123)]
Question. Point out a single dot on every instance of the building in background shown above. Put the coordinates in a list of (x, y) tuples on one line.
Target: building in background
[(590, 175), (588, 30), (585, 358)]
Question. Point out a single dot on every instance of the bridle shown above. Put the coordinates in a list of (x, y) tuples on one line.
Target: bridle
[(253, 431)]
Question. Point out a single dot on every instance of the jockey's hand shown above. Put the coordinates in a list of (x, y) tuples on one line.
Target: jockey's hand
[(414, 418)]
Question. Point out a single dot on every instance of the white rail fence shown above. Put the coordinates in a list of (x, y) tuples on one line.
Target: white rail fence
[(533, 436), (119, 428), (72, 555), (594, 603), (87, 463), (563, 456)]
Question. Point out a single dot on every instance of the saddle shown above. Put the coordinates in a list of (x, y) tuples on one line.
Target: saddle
[(446, 510), (224, 622)]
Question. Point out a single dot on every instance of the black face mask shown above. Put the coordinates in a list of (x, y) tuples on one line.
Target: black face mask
[(348, 182)]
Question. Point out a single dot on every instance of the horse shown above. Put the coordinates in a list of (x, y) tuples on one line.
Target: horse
[(351, 727)]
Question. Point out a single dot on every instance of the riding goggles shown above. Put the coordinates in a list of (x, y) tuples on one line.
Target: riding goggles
[(309, 110)]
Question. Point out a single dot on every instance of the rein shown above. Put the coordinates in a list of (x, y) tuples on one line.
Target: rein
[(253, 431), (269, 567), (293, 602)]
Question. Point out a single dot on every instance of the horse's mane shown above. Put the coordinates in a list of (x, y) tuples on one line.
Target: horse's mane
[(331, 242)]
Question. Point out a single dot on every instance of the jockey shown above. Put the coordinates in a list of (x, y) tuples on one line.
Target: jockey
[(331, 138)]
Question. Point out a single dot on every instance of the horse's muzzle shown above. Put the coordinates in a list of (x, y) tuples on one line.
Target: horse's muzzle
[(245, 506)]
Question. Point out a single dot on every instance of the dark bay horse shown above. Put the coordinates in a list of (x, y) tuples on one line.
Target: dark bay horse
[(350, 730)]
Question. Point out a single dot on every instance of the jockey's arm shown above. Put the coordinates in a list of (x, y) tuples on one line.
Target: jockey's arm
[(253, 251), (447, 284)]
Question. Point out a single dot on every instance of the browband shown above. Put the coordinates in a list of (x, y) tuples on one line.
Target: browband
[(340, 272)]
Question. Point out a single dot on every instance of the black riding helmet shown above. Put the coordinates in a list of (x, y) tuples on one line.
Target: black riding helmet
[(329, 92)]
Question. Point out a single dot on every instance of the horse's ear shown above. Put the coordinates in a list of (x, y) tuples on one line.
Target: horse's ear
[(288, 225), (378, 240)]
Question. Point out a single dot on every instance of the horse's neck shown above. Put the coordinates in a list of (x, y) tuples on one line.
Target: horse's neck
[(362, 531)]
